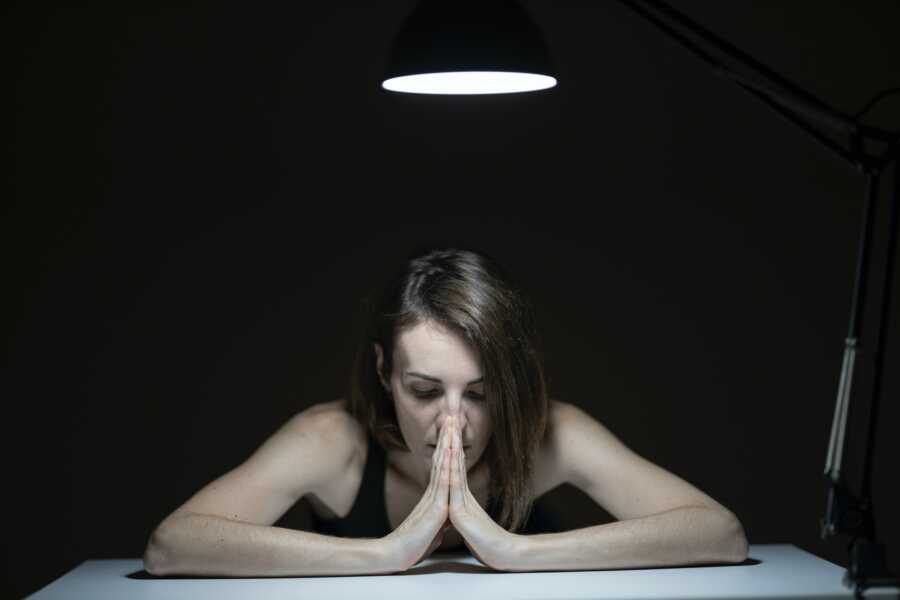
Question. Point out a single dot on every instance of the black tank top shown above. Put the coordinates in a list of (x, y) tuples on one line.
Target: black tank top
[(368, 516)]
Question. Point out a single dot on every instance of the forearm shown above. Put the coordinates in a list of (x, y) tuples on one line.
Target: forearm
[(678, 537), (207, 545)]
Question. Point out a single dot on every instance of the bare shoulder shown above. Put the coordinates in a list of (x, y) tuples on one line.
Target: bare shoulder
[(335, 429), (566, 411), (592, 458), (324, 438), (342, 444), (551, 456), (567, 418), (336, 445), (567, 424), (562, 416), (570, 423), (305, 454)]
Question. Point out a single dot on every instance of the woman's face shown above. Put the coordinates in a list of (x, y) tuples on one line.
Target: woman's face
[(436, 374)]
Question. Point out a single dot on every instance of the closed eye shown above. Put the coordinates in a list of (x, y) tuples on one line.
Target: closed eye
[(434, 392)]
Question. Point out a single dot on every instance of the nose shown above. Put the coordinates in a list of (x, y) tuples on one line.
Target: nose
[(453, 404)]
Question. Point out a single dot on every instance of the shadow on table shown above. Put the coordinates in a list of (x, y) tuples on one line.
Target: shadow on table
[(142, 574), (438, 566), (450, 566), (447, 566), (749, 562)]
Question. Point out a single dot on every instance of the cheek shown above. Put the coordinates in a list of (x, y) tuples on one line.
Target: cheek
[(410, 415), (482, 422)]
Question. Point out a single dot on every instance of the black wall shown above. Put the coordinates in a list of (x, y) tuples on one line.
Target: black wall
[(203, 193)]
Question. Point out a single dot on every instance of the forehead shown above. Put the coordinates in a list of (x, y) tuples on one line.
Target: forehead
[(433, 350)]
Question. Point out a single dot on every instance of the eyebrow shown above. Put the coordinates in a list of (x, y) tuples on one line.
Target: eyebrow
[(430, 378)]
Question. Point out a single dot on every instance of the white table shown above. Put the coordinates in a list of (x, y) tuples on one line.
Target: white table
[(777, 571)]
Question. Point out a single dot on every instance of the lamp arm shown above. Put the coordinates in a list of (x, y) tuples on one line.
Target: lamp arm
[(664, 12), (786, 98), (885, 314), (788, 108), (845, 512)]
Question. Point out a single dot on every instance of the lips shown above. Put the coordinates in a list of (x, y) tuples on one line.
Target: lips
[(434, 446)]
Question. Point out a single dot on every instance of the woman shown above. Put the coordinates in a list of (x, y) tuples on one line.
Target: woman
[(445, 441)]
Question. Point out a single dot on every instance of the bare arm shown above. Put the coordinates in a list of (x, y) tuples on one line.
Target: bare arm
[(227, 528), (681, 536), (198, 544), (663, 519)]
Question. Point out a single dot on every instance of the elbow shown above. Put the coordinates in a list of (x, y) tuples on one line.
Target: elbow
[(735, 545), (162, 545), (155, 554)]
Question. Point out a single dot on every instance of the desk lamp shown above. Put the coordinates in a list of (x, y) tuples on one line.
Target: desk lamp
[(493, 47)]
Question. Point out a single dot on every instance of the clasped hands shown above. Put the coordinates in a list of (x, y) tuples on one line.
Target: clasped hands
[(447, 500)]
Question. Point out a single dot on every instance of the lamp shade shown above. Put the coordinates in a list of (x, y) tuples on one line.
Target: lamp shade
[(468, 47)]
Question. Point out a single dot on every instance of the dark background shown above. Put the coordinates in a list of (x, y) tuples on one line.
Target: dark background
[(203, 193)]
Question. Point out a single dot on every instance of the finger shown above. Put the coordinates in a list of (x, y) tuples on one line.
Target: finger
[(455, 489), (444, 437), (435, 466), (447, 458), (442, 442), (442, 445), (438, 467), (444, 486), (449, 454), (438, 461), (461, 468)]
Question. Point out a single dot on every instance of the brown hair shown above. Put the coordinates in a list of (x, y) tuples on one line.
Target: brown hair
[(468, 293)]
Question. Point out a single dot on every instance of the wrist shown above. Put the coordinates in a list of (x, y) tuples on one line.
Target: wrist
[(386, 555)]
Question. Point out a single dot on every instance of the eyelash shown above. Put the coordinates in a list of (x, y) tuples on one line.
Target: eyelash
[(435, 392)]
